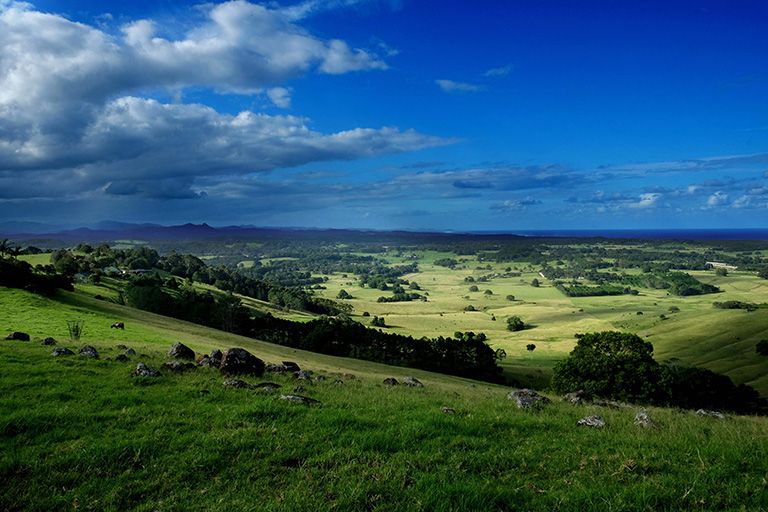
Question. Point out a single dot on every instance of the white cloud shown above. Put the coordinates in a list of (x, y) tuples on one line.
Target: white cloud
[(280, 96), (498, 72), (72, 111), (647, 200), (452, 86), (717, 199)]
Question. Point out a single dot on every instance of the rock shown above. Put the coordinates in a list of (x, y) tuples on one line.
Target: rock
[(129, 352), (62, 351), (300, 399), (611, 404), (237, 384), (304, 375), (121, 358), (118, 325), (391, 381), (643, 419), (142, 370), (591, 421), (579, 397), (17, 336), (269, 387), (49, 341), (181, 351), (299, 389), (413, 382), (527, 398), (448, 410), (89, 351), (290, 366), (211, 361), (710, 414), (178, 366), (238, 361)]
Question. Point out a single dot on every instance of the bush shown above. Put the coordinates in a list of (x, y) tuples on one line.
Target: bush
[(473, 288), (610, 364), (515, 323), (510, 298), (530, 347), (762, 347)]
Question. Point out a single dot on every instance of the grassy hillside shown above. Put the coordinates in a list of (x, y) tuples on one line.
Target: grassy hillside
[(82, 434), (698, 334)]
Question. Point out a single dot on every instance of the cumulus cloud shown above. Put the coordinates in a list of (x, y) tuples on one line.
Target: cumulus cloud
[(74, 110), (453, 86), (717, 199), (516, 204)]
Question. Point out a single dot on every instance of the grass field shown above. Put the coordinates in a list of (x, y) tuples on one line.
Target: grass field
[(721, 340), (81, 434)]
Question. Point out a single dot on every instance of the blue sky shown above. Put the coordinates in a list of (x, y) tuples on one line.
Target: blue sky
[(386, 114)]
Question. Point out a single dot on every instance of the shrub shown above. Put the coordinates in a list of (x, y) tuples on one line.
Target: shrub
[(515, 323), (762, 347), (530, 347), (473, 288)]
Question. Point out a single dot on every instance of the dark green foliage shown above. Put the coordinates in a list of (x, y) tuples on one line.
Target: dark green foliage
[(763, 273), (580, 290), (762, 347), (510, 297), (44, 280), (620, 365), (720, 271), (470, 307), (473, 288), (446, 262), (530, 347), (535, 283), (343, 294), (488, 292), (378, 321), (610, 364), (677, 283), (515, 323), (735, 304)]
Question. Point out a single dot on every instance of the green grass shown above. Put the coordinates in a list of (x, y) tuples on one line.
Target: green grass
[(83, 434), (723, 341)]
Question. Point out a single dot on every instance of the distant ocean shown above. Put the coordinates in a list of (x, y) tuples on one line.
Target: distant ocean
[(655, 234)]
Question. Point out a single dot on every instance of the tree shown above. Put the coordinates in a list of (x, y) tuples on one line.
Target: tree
[(511, 298), (488, 292), (610, 364), (720, 271), (343, 294), (530, 347), (515, 323), (762, 347), (535, 283), (473, 288), (500, 354)]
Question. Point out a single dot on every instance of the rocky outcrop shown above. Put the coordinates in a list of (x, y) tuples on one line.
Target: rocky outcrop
[(390, 381), (49, 341), (527, 398), (238, 361), (643, 419), (142, 370), (17, 336), (180, 351), (579, 397), (591, 421), (413, 382), (62, 351), (710, 414), (178, 366), (89, 351), (300, 399)]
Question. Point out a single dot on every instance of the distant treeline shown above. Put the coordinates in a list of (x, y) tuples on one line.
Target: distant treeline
[(43, 279), (340, 336)]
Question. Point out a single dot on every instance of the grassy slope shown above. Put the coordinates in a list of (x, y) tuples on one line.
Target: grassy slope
[(723, 341), (82, 434)]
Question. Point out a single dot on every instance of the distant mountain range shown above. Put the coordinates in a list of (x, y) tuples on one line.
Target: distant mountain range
[(108, 231)]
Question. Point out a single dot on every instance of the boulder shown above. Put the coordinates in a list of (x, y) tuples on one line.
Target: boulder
[(238, 361), (121, 358), (268, 387), (129, 352), (413, 382), (643, 419), (17, 336), (290, 366), (300, 399), (391, 381), (49, 341), (178, 366), (211, 361), (62, 351), (527, 398), (142, 370), (299, 389), (591, 421), (89, 351), (181, 351), (579, 397), (448, 410), (710, 414), (274, 368), (304, 375), (237, 384)]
